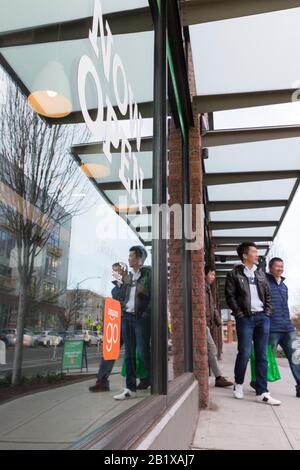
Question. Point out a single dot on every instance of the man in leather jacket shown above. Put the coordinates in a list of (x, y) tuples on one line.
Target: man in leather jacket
[(248, 296)]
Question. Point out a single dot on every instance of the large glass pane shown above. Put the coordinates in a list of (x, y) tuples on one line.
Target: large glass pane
[(255, 156), (16, 14), (235, 53), (273, 213), (261, 116), (245, 232), (250, 191), (74, 201), (54, 66)]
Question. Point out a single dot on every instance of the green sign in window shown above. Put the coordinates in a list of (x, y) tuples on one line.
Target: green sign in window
[(73, 355)]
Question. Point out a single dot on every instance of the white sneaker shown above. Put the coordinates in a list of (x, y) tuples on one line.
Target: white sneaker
[(125, 395), (238, 391), (267, 399)]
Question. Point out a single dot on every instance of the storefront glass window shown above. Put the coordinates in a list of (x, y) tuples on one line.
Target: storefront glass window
[(76, 180)]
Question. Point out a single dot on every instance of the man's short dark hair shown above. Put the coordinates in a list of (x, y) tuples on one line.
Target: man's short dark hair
[(244, 248), (273, 260), (208, 269), (140, 252)]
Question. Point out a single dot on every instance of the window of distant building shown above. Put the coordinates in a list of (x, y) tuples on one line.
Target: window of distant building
[(6, 243)]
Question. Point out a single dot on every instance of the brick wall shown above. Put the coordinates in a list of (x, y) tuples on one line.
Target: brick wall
[(175, 251), (197, 257), (198, 280), (198, 261)]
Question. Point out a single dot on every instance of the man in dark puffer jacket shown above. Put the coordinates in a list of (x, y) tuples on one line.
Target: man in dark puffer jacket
[(282, 331)]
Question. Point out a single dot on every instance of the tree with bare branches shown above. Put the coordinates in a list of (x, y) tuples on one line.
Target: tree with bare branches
[(69, 316), (38, 181)]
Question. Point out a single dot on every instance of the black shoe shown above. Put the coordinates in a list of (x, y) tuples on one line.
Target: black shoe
[(143, 385), (298, 393), (100, 387)]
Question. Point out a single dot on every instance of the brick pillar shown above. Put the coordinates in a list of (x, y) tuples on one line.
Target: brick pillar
[(198, 260), (198, 278), (175, 252), (197, 256)]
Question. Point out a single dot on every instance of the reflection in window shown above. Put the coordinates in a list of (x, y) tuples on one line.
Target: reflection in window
[(53, 241), (51, 266), (6, 243)]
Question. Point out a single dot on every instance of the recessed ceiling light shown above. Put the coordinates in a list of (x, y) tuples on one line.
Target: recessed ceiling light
[(95, 170), (50, 104)]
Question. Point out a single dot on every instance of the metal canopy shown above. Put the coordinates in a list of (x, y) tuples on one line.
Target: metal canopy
[(241, 224), (231, 239), (231, 247), (249, 204), (239, 136), (202, 11), (239, 177), (122, 22), (225, 101)]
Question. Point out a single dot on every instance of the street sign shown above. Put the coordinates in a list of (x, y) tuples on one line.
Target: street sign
[(112, 329), (74, 354)]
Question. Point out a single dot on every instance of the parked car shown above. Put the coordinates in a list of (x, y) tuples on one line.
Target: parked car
[(36, 335), (9, 336), (66, 335), (89, 336), (29, 338), (50, 338), (4, 339)]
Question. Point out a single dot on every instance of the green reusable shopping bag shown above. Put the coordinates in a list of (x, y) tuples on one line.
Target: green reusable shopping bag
[(140, 369), (273, 372)]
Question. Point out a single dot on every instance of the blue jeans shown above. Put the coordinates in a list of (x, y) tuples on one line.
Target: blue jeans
[(288, 342), (106, 367), (254, 328), (136, 336)]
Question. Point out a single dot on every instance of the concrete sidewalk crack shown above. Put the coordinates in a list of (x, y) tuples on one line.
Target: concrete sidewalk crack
[(294, 445)]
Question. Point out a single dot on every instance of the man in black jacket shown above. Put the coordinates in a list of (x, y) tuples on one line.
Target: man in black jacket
[(248, 296)]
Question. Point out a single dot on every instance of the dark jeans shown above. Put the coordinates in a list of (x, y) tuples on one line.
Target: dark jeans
[(255, 328), (106, 367), (136, 335), (288, 342)]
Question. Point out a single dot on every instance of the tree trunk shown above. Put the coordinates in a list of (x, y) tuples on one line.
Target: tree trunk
[(18, 356)]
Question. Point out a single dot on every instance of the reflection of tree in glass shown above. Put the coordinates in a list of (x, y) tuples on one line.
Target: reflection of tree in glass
[(38, 181)]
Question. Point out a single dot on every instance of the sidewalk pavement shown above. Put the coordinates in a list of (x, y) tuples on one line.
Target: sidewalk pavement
[(231, 424), (57, 418)]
